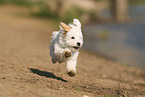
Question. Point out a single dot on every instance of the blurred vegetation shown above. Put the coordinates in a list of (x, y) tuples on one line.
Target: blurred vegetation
[(43, 10), (26, 3), (130, 1), (136, 1), (72, 13), (78, 13)]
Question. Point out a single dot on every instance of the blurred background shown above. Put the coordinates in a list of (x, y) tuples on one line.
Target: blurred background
[(112, 28)]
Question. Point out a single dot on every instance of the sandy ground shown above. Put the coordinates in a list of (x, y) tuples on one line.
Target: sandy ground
[(26, 69)]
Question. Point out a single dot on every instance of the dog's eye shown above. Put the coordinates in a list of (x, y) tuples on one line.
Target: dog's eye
[(72, 37)]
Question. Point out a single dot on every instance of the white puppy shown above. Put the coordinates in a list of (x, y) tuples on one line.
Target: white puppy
[(65, 45)]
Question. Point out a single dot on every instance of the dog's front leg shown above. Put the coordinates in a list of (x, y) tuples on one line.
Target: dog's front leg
[(71, 64), (62, 54), (67, 53)]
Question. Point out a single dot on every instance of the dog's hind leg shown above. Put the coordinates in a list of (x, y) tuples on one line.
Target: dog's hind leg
[(54, 60), (71, 65), (59, 53)]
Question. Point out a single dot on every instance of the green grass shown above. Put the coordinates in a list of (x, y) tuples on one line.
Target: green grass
[(79, 90), (142, 84), (108, 95)]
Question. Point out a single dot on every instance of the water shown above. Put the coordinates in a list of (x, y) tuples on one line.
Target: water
[(122, 42)]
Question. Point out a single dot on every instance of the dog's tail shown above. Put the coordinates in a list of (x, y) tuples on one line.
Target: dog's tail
[(54, 35)]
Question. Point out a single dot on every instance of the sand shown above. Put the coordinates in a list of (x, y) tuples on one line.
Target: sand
[(26, 69)]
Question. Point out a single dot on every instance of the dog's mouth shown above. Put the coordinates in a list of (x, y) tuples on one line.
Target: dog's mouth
[(76, 47)]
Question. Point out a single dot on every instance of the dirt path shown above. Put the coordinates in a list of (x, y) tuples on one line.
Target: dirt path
[(26, 69)]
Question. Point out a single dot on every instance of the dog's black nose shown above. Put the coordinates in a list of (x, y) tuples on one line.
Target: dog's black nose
[(78, 43)]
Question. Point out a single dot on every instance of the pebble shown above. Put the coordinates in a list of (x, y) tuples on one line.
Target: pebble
[(85, 96)]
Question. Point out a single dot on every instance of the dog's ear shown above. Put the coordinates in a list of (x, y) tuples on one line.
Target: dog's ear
[(64, 27), (77, 23)]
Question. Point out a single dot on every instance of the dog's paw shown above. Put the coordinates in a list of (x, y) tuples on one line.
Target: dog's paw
[(54, 60), (71, 73), (67, 54)]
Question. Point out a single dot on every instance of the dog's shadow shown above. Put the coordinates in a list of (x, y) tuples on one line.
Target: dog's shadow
[(46, 74)]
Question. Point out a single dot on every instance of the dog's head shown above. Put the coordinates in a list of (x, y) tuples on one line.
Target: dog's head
[(71, 35)]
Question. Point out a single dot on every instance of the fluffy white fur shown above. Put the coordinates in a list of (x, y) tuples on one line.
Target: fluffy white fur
[(65, 46)]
